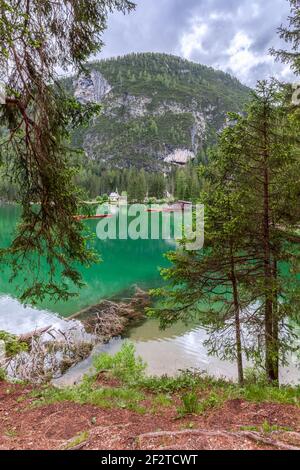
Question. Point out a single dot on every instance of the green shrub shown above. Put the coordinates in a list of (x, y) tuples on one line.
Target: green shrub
[(124, 366), (187, 380), (213, 401), (12, 344), (190, 404)]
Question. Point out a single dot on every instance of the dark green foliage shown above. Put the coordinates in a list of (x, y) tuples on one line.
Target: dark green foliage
[(181, 183), (37, 38), (291, 35), (188, 183), (162, 76), (247, 278), (123, 366)]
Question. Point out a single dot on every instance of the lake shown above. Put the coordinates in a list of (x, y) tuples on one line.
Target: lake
[(125, 263)]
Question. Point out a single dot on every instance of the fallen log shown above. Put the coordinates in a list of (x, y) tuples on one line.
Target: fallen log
[(34, 334)]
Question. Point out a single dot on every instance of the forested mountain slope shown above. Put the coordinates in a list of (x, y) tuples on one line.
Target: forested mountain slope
[(158, 109)]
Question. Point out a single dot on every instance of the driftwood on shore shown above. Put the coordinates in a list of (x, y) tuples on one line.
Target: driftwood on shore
[(51, 352), (109, 319), (33, 334)]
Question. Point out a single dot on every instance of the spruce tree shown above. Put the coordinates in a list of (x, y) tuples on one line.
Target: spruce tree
[(38, 38), (291, 35), (141, 186), (204, 286), (265, 166), (252, 193)]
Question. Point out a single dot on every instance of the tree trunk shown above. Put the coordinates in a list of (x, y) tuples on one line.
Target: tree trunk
[(239, 349), (272, 373), (275, 325)]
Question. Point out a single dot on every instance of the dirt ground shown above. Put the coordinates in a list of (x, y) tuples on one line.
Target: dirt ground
[(72, 426)]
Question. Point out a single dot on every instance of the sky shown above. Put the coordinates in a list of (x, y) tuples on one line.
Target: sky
[(232, 35)]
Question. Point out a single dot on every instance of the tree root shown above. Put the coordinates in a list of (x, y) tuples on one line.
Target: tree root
[(254, 436), (114, 430), (261, 439), (97, 431)]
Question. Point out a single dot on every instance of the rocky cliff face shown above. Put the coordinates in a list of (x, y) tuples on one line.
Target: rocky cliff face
[(158, 110), (91, 88)]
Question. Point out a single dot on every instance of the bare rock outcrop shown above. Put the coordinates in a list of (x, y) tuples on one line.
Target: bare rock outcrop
[(180, 157), (91, 88)]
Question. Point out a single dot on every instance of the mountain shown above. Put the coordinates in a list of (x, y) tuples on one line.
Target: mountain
[(158, 109)]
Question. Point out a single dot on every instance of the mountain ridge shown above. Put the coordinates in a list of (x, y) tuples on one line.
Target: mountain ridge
[(158, 109)]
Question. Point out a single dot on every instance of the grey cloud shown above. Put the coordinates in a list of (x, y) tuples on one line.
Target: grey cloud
[(161, 25)]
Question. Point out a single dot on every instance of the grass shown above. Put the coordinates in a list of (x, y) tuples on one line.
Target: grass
[(213, 401), (265, 428), (197, 393), (161, 401), (191, 404), (11, 433), (265, 393), (88, 393), (77, 440)]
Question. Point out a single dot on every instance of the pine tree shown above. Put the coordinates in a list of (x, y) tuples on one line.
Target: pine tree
[(141, 187), (195, 187), (156, 185), (252, 191), (39, 37), (132, 185), (180, 184), (205, 285), (264, 164), (291, 35)]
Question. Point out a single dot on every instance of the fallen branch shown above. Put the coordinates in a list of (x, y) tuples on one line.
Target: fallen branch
[(33, 334)]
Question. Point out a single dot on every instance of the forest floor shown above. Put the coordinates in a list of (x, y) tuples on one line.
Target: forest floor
[(29, 419)]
